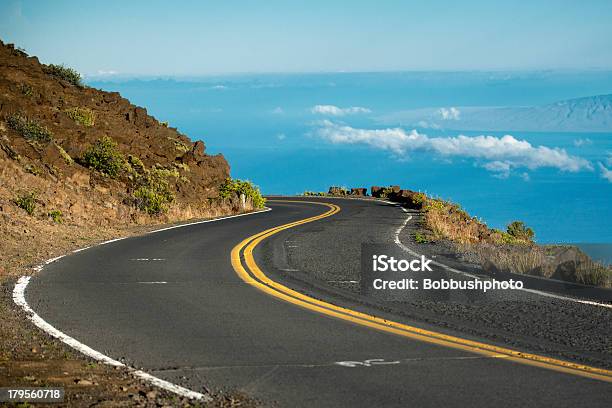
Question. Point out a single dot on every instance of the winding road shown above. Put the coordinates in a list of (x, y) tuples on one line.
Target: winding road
[(266, 304)]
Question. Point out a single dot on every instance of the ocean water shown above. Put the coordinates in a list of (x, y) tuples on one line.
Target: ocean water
[(265, 127)]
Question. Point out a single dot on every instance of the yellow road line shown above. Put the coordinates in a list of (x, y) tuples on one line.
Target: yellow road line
[(262, 282)]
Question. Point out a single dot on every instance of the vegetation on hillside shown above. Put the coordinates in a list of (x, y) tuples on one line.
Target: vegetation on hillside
[(29, 128), (27, 202), (105, 157), (65, 73), (153, 194), (234, 187), (82, 116)]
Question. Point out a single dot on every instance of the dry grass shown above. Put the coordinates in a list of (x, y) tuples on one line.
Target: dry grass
[(513, 251), (558, 262), (446, 220)]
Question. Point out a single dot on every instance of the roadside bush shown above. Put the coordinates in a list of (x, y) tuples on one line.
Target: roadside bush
[(419, 200), (27, 202), (56, 216), (420, 238), (29, 129), (594, 273), (82, 116), (104, 157), (65, 73), (154, 194), (235, 187), (520, 232), (386, 192)]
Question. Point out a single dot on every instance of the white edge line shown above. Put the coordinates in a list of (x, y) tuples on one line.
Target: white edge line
[(448, 268), (19, 299)]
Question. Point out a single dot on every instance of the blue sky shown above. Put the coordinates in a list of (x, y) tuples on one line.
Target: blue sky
[(206, 37)]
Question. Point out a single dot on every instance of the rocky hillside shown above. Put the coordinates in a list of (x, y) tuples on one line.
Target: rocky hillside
[(75, 159), (50, 121)]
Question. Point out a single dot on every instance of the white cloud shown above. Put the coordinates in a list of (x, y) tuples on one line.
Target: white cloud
[(500, 168), (332, 110), (500, 154), (449, 113), (281, 136), (278, 110), (103, 72), (426, 125), (605, 172), (218, 87), (582, 142)]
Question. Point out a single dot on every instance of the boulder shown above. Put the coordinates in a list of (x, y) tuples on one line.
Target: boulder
[(376, 191), (337, 191), (359, 191)]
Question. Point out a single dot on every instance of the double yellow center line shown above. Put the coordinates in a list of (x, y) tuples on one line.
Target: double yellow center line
[(245, 266)]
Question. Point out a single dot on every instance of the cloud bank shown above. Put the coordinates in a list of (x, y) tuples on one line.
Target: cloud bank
[(332, 110), (499, 155)]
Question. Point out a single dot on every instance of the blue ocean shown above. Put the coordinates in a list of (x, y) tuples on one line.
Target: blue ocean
[(294, 132)]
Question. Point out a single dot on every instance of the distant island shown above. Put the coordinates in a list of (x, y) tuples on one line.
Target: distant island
[(587, 114)]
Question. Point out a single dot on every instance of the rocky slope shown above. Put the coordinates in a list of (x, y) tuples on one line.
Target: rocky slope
[(48, 123)]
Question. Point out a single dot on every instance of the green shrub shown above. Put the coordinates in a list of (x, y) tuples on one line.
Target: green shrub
[(234, 187), (419, 199), (420, 238), (27, 201), (164, 173), (56, 216), (82, 116), (154, 195), (104, 157), (164, 124), (149, 201), (29, 129), (519, 231), (386, 192), (65, 73)]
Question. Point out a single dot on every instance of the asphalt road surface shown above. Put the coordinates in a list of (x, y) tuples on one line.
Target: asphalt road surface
[(172, 303)]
